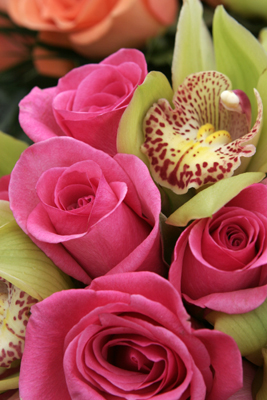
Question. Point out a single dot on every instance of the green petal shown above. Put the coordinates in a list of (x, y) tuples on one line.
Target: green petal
[(238, 54), (249, 330), (210, 200), (12, 382), (10, 150), (6, 214), (193, 50), (263, 37), (258, 161), (130, 135), (24, 265)]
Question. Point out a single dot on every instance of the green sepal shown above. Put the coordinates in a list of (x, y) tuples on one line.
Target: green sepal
[(10, 150), (259, 161), (249, 330), (193, 50), (211, 199), (130, 135), (26, 266), (239, 55)]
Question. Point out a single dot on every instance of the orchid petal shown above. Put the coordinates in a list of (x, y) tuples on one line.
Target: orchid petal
[(10, 150), (258, 161), (249, 330), (238, 54), (263, 38), (193, 145), (193, 50), (23, 264), (210, 200), (130, 132)]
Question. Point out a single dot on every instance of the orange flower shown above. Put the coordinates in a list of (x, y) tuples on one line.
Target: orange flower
[(94, 28)]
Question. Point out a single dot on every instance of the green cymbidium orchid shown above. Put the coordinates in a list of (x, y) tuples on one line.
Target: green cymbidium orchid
[(202, 139), (180, 149)]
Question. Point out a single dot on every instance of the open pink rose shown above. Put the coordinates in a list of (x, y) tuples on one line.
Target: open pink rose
[(90, 213), (94, 28), (220, 263), (125, 337), (87, 103)]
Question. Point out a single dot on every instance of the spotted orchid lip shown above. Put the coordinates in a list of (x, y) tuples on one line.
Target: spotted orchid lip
[(202, 140), (14, 314)]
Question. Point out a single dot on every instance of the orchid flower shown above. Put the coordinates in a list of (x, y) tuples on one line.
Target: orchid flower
[(15, 307), (202, 139), (198, 131)]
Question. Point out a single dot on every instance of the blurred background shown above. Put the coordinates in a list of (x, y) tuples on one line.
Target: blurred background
[(38, 47)]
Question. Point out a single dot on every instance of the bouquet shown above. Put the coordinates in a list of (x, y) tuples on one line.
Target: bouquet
[(134, 227)]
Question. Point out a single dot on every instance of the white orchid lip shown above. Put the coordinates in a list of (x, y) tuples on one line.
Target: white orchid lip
[(202, 140)]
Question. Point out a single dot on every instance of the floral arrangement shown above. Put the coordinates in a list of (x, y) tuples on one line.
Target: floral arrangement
[(133, 228)]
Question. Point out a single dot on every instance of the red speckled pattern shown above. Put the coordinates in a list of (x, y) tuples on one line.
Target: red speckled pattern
[(14, 314), (181, 158)]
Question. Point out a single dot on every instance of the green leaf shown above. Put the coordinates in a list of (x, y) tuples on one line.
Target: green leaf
[(238, 54), (193, 50), (24, 265), (10, 150), (258, 161), (130, 135), (249, 330), (210, 200)]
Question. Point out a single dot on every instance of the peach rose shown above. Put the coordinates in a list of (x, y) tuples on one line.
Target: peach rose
[(94, 28)]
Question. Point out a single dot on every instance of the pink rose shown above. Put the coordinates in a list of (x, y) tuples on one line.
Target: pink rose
[(125, 337), (90, 213), (220, 263), (87, 103)]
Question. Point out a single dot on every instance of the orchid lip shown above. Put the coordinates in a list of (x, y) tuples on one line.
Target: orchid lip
[(14, 313), (202, 140)]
